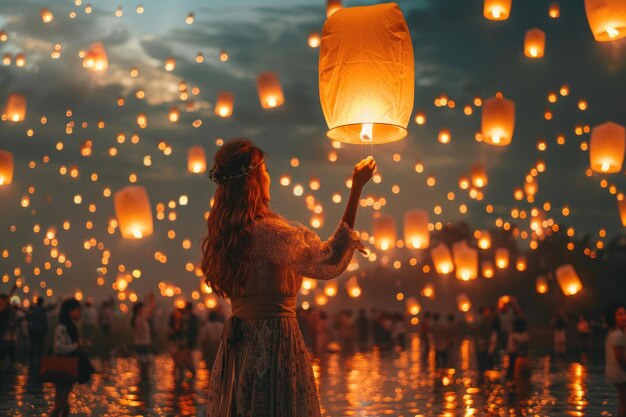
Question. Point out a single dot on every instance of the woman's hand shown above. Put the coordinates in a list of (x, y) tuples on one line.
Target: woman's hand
[(363, 172)]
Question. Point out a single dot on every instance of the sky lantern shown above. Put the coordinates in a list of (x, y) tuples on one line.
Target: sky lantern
[(498, 120), (314, 40), (174, 114), (96, 58), (442, 259), (606, 148), (465, 261), (196, 159), (479, 175), (170, 64), (535, 43), (416, 234), (352, 287), (541, 284), (483, 239), (46, 15), (270, 91), (497, 9), (331, 288), (366, 74), (133, 212), (6, 167), (428, 291), (224, 104), (554, 11), (384, 230), (502, 258), (16, 107), (332, 6), (487, 269), (568, 279), (413, 306), (621, 204), (521, 263), (607, 19), (463, 303)]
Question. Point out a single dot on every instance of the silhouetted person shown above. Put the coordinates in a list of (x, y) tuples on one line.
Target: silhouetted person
[(363, 329), (38, 328)]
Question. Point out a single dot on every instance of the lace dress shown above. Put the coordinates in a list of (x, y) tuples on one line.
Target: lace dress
[(273, 376)]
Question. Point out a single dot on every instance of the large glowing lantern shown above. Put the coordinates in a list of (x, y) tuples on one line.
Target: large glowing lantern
[(442, 259), (497, 9), (621, 204), (133, 212), (535, 43), (314, 40), (607, 19), (606, 148), (465, 261), (521, 263), (332, 6), (16, 107), (270, 91), (502, 258), (479, 175), (6, 167), (224, 104), (568, 279), (541, 284), (96, 58), (331, 288), (416, 234), (196, 159), (366, 74), (384, 229), (463, 303), (498, 120)]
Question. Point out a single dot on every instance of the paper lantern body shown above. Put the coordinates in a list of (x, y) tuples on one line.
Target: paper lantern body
[(568, 279), (487, 269), (535, 43), (479, 175), (366, 74), (463, 303), (16, 108), (96, 58), (497, 9), (521, 263), (6, 167), (133, 212), (621, 205), (465, 261), (332, 6), (541, 285), (196, 160), (442, 259), (384, 229), (428, 291), (416, 234), (413, 306), (607, 147), (498, 121), (484, 240), (224, 104), (502, 258), (607, 19), (270, 91)]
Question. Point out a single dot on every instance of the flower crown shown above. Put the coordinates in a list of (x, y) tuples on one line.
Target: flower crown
[(218, 177)]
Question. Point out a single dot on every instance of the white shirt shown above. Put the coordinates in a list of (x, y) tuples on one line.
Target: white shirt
[(63, 343), (614, 372), (141, 331)]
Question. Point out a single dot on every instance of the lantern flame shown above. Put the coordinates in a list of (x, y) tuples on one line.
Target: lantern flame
[(271, 102), (533, 52), (612, 32), (367, 134), (605, 166), (1, 180), (137, 234), (496, 12)]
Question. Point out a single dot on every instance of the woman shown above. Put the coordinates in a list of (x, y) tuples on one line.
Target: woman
[(615, 356), (67, 343), (257, 259), (142, 336)]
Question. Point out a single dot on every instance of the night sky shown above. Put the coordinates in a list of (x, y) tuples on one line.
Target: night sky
[(458, 53)]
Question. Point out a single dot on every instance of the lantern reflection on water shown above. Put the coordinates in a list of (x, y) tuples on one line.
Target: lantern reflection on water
[(366, 74)]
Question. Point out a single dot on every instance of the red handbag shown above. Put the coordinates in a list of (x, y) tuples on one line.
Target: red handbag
[(59, 369)]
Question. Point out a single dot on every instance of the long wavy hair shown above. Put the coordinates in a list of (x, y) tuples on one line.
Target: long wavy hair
[(238, 204), (65, 317)]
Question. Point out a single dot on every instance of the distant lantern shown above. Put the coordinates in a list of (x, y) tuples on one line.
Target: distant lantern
[(314, 40), (223, 56), (96, 58), (502, 258), (568, 279), (621, 205), (483, 239), (541, 285), (428, 291), (46, 15), (196, 159), (413, 306), (535, 43), (497, 9), (270, 91), (463, 303), (142, 120), (498, 120), (332, 6), (479, 175), (366, 74), (384, 230), (521, 263), (607, 147), (133, 212), (16, 107), (174, 115), (170, 64), (442, 259), (554, 11), (487, 269), (416, 234), (607, 19), (6, 167), (465, 261), (224, 104), (352, 287)]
